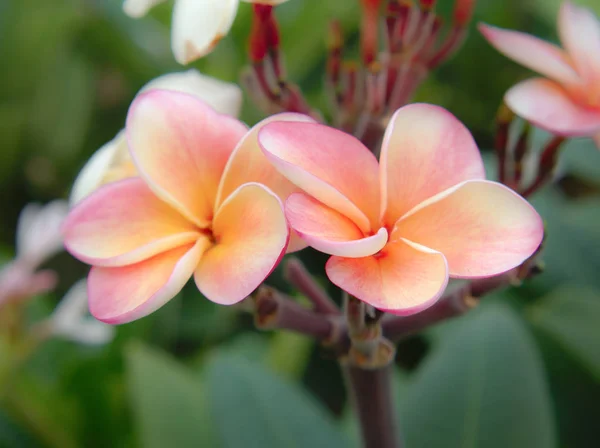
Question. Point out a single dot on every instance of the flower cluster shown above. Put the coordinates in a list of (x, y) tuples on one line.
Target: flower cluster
[(207, 202), (567, 101)]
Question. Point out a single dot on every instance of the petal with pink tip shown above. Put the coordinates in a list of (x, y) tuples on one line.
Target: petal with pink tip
[(579, 31), (404, 278), (249, 164), (328, 164), (118, 295), (483, 228), (329, 231), (536, 54), (251, 235), (181, 146), (425, 150), (124, 223), (548, 105)]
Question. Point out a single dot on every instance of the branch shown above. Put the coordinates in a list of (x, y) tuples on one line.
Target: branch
[(452, 304), (274, 310), (298, 275), (371, 394)]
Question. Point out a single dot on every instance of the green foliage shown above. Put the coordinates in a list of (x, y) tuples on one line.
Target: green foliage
[(254, 408), (484, 386), (169, 402)]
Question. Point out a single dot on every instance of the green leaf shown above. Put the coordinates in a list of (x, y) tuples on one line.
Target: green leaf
[(483, 386), (572, 248), (12, 435), (169, 402), (570, 315), (254, 408)]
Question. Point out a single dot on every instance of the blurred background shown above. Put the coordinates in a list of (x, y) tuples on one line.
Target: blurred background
[(520, 371)]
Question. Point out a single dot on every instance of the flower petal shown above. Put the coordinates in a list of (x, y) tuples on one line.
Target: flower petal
[(251, 236), (110, 163), (181, 146), (536, 54), (124, 223), (547, 105), (483, 228), (199, 25), (579, 31), (139, 8), (425, 150), (248, 164), (224, 97), (404, 278), (39, 235), (328, 164), (118, 295), (329, 231)]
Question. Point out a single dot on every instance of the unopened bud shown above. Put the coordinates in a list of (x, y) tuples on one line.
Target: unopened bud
[(463, 11)]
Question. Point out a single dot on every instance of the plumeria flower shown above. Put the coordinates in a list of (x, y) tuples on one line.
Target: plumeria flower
[(112, 161), (38, 239), (71, 319), (399, 229), (196, 208), (567, 101), (198, 25)]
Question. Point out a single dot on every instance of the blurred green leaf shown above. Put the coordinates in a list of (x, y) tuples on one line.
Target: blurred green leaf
[(483, 386), (63, 107), (169, 401), (254, 408), (572, 248), (12, 435), (570, 315)]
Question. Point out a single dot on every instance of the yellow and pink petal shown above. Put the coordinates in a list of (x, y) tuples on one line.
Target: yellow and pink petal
[(483, 228), (536, 54), (549, 106), (425, 150), (180, 147), (123, 223), (250, 237), (328, 164), (118, 295), (328, 231), (579, 31), (404, 278)]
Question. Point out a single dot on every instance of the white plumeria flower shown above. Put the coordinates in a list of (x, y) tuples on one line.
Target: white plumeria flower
[(198, 25), (112, 161), (71, 319), (38, 231), (38, 239)]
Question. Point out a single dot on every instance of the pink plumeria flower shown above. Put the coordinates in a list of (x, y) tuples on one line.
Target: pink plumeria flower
[(198, 25), (196, 209), (567, 101), (399, 229)]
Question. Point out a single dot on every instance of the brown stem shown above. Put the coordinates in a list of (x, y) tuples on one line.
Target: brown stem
[(297, 274), (275, 310), (371, 394), (452, 304)]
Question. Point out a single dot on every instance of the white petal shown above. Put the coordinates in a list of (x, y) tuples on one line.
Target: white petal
[(198, 25), (139, 8), (38, 232), (71, 319), (94, 172), (224, 97)]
